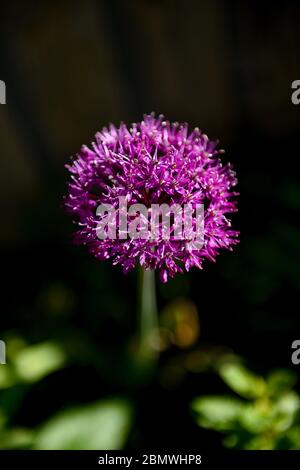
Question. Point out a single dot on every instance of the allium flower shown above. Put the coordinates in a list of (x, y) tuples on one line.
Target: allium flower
[(154, 161)]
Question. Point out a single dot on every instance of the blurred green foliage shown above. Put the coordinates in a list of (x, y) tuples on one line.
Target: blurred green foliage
[(101, 425), (30, 363), (264, 413)]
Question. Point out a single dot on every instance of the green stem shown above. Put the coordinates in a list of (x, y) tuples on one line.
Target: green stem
[(147, 314)]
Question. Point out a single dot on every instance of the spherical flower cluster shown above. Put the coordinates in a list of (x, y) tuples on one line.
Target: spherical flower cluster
[(153, 162)]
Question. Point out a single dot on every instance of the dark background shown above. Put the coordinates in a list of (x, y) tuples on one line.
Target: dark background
[(72, 67)]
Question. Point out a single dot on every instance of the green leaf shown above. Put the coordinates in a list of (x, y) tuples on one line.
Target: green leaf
[(16, 438), (261, 442), (35, 362), (290, 439), (3, 419), (218, 412), (286, 409), (242, 381), (257, 418), (7, 378), (103, 425), (281, 380)]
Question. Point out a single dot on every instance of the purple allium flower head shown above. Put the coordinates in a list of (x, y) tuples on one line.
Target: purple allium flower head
[(153, 162)]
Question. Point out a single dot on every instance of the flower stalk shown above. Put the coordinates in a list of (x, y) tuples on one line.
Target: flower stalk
[(148, 321)]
